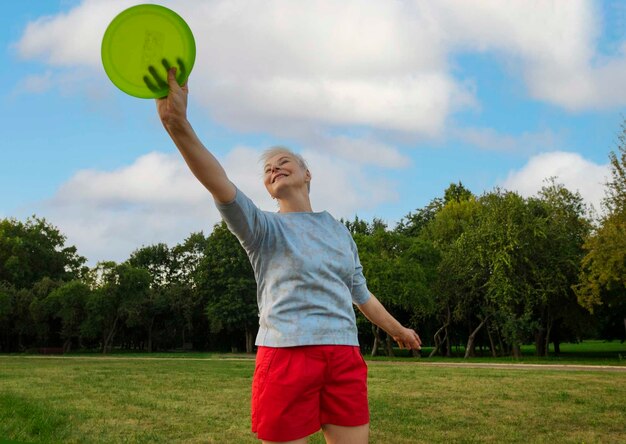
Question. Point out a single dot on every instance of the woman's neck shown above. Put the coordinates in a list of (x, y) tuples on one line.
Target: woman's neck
[(296, 203)]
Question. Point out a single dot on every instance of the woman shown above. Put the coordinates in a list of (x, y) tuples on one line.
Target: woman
[(309, 372)]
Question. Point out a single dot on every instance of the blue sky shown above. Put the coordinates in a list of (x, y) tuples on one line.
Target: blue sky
[(389, 102)]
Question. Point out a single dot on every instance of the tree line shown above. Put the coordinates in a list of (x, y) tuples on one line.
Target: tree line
[(488, 273)]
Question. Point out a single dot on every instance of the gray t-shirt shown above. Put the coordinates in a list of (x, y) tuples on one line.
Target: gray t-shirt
[(307, 271)]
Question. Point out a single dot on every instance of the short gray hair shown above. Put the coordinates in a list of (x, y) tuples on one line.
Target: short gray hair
[(279, 149)]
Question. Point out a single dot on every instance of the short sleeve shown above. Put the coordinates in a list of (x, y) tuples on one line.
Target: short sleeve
[(244, 219)]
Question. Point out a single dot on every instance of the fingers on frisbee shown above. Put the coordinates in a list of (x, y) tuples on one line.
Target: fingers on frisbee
[(175, 75), (182, 72), (151, 86)]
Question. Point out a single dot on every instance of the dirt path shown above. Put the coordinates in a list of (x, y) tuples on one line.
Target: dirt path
[(503, 366), (558, 367)]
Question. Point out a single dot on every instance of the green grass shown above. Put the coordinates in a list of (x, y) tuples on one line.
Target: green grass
[(133, 400)]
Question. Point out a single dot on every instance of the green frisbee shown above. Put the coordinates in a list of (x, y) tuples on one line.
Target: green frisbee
[(141, 44)]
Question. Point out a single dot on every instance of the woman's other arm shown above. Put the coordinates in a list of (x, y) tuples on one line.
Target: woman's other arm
[(377, 314)]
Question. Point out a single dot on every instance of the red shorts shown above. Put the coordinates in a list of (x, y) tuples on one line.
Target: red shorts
[(297, 389)]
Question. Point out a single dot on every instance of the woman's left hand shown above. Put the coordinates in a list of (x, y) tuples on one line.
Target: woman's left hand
[(408, 338)]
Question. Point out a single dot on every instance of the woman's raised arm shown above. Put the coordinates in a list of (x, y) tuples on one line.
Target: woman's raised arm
[(173, 113)]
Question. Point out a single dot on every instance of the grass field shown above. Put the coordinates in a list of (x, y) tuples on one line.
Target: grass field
[(130, 400)]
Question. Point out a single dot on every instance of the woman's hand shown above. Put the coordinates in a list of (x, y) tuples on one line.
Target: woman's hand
[(376, 313), (172, 109), (408, 338)]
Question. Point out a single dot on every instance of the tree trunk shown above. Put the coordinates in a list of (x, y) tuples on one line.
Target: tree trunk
[(516, 351), (547, 341), (494, 353), (389, 346), (376, 331), (249, 341), (67, 345), (469, 350), (107, 343), (504, 347), (150, 350), (438, 341), (540, 343)]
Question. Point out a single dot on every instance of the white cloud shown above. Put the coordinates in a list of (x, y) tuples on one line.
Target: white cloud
[(366, 149), (282, 66), (295, 68), (570, 169), (72, 38), (108, 214), (552, 43)]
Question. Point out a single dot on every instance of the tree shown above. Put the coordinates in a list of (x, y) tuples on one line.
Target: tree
[(24, 328), (556, 264), (157, 260), (394, 274), (456, 192), (68, 303), (186, 301), (7, 301), (33, 250), (602, 280), (510, 233), (42, 313), (115, 301), (413, 223), (227, 280), (452, 287)]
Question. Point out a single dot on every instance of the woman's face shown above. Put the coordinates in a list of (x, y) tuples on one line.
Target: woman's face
[(282, 171)]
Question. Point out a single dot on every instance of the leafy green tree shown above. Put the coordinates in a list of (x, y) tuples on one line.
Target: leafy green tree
[(455, 285), (68, 303), (24, 328), (556, 264), (187, 257), (157, 260), (510, 234), (413, 223), (33, 250), (392, 268), (226, 278), (42, 314), (186, 301), (456, 192), (602, 280), (357, 226), (7, 301), (115, 301)]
